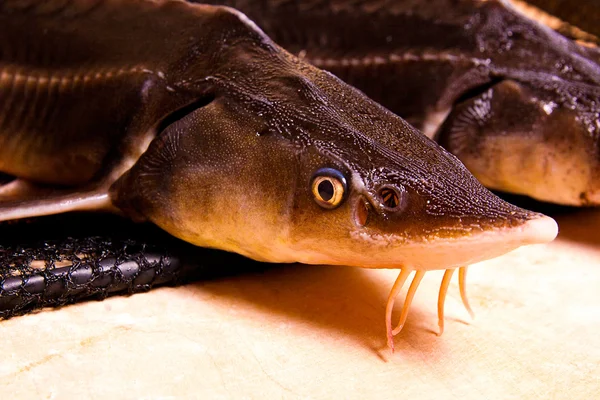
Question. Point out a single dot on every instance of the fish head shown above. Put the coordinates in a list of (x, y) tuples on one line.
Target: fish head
[(537, 137), (286, 163), (375, 192)]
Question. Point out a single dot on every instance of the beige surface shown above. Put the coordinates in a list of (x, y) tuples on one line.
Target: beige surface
[(318, 332)]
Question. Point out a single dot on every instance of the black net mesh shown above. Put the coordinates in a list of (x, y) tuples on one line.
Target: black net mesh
[(62, 259)]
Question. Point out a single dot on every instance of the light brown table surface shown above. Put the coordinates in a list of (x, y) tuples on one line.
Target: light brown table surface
[(318, 332)]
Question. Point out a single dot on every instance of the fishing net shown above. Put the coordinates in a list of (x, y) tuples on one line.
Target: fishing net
[(59, 260)]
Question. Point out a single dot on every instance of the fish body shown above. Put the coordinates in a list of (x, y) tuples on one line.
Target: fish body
[(190, 117), (515, 101)]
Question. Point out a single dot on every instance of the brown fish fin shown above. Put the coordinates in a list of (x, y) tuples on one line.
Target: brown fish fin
[(22, 199)]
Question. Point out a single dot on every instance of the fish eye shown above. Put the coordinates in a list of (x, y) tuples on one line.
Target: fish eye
[(390, 197), (328, 187)]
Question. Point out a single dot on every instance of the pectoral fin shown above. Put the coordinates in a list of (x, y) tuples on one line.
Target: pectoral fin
[(21, 199)]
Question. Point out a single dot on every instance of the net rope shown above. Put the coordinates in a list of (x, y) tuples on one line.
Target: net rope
[(60, 260)]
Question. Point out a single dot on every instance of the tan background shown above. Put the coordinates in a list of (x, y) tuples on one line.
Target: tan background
[(318, 332)]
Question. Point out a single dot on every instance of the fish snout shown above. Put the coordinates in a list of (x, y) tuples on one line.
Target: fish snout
[(538, 230), (442, 229)]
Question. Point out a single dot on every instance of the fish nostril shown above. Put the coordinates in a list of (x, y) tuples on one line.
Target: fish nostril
[(390, 197), (361, 212)]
